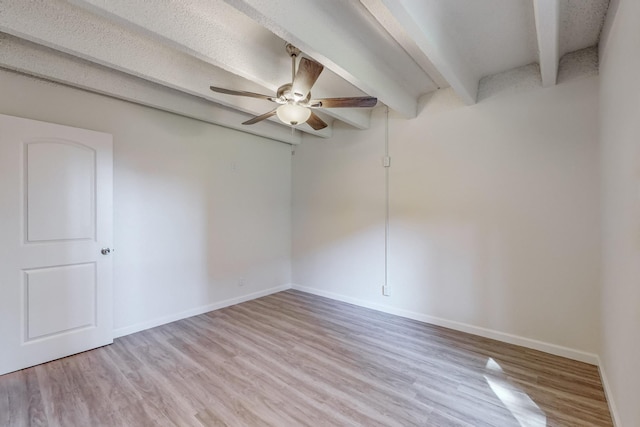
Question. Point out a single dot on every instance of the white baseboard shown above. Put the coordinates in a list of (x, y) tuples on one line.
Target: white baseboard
[(126, 330), (609, 395), (463, 327)]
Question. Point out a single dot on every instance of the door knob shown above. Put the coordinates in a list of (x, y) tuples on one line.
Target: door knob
[(105, 251)]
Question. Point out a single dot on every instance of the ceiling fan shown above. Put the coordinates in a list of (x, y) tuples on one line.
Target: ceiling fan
[(294, 99)]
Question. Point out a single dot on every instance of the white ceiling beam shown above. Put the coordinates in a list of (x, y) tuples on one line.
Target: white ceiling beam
[(337, 34), (391, 24), (420, 20), (547, 14), (32, 59), (195, 28), (63, 27)]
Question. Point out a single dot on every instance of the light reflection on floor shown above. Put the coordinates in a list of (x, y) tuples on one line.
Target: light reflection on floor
[(525, 410)]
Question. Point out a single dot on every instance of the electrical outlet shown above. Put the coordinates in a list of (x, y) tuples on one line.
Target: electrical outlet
[(386, 290), (241, 282)]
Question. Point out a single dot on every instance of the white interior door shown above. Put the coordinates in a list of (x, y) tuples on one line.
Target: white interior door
[(55, 218)]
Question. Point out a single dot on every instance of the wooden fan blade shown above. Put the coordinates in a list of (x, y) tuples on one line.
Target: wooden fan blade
[(307, 74), (241, 93), (361, 101), (316, 122), (260, 118)]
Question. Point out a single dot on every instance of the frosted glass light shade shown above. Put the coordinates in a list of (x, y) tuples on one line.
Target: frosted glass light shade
[(293, 114)]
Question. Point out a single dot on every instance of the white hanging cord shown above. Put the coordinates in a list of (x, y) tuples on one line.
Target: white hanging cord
[(386, 201)]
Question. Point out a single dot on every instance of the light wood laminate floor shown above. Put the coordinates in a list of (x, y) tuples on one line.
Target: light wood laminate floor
[(294, 359)]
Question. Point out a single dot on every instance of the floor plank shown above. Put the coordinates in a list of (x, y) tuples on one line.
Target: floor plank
[(294, 359)]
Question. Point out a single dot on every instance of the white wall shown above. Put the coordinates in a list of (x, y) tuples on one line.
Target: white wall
[(196, 206), (620, 135), (495, 221)]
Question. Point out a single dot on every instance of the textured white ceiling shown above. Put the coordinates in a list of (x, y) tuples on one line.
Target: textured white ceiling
[(396, 50), (581, 22)]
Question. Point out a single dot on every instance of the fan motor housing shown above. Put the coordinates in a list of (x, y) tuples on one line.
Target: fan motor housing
[(284, 94)]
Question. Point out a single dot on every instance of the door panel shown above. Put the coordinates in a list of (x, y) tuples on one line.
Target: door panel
[(77, 309), (60, 188), (55, 216)]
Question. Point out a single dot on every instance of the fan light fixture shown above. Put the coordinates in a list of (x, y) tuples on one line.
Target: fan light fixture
[(295, 103), (293, 114)]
